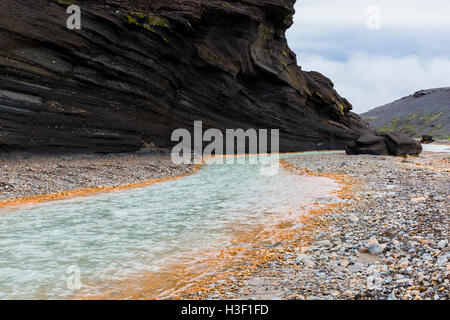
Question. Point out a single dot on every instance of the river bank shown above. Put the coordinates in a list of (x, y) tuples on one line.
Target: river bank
[(392, 241), (388, 239), (144, 243), (25, 176)]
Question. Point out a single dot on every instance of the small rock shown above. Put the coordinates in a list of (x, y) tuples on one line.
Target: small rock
[(344, 263), (442, 260), (441, 244), (407, 297), (392, 296), (374, 247), (427, 257), (305, 260), (305, 249), (403, 263), (324, 243), (348, 293)]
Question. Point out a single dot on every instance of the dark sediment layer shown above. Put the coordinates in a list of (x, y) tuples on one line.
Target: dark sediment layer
[(128, 78)]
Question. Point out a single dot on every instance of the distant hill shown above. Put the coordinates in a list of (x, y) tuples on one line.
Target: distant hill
[(424, 112)]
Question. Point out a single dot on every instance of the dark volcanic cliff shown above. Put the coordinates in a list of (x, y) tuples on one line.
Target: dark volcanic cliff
[(126, 77)]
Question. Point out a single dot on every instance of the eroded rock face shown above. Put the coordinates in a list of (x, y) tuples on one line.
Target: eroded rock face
[(127, 78)]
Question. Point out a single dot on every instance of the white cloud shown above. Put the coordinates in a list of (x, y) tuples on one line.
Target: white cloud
[(399, 13), (410, 52), (369, 81)]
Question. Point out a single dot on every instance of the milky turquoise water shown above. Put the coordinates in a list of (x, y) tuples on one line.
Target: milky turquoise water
[(436, 148), (119, 235)]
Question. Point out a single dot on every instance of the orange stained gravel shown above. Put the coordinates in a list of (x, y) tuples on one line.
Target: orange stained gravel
[(84, 192), (226, 270)]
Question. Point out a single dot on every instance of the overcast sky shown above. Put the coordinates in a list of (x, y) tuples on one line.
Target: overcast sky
[(372, 66)]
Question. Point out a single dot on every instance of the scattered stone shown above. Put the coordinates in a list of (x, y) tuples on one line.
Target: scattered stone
[(426, 139), (348, 293), (345, 263), (305, 260), (442, 244), (374, 247), (442, 260), (31, 175), (324, 243), (403, 263)]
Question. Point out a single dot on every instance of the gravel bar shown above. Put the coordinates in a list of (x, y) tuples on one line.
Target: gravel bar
[(388, 240), (24, 175)]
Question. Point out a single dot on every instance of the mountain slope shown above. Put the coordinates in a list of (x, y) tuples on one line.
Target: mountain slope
[(425, 112), (133, 75)]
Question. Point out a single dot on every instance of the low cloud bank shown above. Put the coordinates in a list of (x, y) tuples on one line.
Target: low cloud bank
[(369, 81), (410, 51)]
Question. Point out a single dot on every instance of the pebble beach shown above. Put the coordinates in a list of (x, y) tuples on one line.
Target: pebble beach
[(28, 175), (388, 241)]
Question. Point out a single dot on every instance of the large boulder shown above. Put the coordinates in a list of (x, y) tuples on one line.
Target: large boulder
[(393, 143), (368, 144), (400, 144), (427, 139)]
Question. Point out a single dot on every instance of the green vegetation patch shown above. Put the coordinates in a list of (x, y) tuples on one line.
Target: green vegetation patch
[(158, 21), (65, 2), (401, 124), (149, 22), (266, 33), (341, 107), (415, 125), (370, 118)]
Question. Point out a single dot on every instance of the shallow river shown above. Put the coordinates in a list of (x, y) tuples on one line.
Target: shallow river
[(436, 148), (116, 236)]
